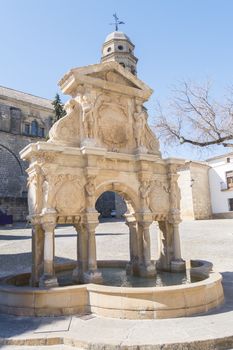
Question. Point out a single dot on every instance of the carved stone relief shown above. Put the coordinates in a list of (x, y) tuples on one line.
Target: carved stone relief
[(140, 120), (67, 129), (111, 116), (35, 181), (90, 191), (159, 197), (64, 193), (144, 190)]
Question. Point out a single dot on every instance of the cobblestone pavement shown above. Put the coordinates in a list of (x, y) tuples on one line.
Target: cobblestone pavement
[(209, 240)]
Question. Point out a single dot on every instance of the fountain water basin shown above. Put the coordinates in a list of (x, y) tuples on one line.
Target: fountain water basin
[(110, 301)]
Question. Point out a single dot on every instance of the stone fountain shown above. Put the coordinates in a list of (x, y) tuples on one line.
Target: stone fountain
[(103, 144)]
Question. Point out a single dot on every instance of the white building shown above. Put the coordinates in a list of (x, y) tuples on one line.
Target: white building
[(221, 185), (207, 188)]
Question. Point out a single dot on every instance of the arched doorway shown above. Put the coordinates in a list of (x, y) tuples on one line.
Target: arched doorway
[(112, 233), (111, 205)]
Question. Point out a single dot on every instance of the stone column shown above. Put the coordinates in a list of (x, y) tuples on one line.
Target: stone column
[(146, 269), (177, 263), (82, 253), (177, 250), (170, 258), (76, 271), (37, 254), (48, 279), (167, 250), (92, 275), (133, 265)]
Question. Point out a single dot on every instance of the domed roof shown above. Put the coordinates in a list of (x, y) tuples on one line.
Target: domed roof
[(117, 36)]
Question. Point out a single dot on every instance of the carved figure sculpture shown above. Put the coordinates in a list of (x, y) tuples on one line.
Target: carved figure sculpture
[(66, 129), (145, 191), (140, 117), (88, 118), (90, 190), (175, 195)]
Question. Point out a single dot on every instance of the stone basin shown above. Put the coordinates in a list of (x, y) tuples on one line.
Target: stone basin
[(117, 302)]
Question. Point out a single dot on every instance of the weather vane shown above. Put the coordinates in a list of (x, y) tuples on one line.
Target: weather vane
[(117, 22)]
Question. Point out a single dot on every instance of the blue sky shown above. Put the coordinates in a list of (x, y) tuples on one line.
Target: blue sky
[(174, 39)]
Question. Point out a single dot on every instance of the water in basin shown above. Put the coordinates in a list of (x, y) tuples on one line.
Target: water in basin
[(114, 276)]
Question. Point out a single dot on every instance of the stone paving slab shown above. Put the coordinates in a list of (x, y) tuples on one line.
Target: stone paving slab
[(38, 347), (208, 240)]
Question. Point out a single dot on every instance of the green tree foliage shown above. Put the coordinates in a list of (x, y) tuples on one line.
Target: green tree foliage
[(58, 108)]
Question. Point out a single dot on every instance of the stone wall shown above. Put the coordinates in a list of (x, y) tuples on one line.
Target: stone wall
[(13, 184), (186, 203), (195, 191), (24, 119), (18, 207), (12, 169), (201, 191)]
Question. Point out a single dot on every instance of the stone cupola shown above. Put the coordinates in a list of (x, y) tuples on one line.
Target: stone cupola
[(118, 47)]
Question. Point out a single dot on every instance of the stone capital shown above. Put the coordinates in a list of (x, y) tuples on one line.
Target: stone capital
[(48, 220)]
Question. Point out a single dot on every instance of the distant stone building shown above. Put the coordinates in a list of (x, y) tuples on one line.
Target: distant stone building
[(195, 191), (24, 118)]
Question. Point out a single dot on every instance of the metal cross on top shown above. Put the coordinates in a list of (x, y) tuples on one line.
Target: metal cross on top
[(117, 22)]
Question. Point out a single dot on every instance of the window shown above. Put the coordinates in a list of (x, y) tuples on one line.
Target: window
[(120, 47), (34, 128), (27, 129), (230, 204), (122, 64), (109, 49), (41, 132), (228, 160), (133, 70), (229, 177)]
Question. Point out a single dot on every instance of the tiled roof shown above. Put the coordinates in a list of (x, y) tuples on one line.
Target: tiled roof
[(23, 96)]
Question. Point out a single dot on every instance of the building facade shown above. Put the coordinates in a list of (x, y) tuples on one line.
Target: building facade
[(195, 191), (24, 118), (221, 185)]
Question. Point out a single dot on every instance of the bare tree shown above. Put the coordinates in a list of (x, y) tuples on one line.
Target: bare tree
[(194, 117)]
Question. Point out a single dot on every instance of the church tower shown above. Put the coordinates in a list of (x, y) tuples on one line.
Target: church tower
[(118, 47)]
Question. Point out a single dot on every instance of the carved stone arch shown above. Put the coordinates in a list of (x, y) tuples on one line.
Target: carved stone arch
[(16, 158), (122, 189), (12, 180)]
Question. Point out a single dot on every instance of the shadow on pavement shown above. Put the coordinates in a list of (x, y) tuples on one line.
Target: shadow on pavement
[(13, 238), (15, 226)]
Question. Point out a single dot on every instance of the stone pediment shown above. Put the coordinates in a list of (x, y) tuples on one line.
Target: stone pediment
[(110, 76), (106, 111)]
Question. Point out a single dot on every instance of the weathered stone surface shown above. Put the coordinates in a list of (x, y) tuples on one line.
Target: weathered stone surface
[(103, 144), (18, 109)]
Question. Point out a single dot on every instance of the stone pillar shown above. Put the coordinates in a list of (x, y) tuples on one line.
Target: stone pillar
[(37, 254), (92, 275), (177, 250), (48, 279), (82, 253), (133, 265), (177, 264), (170, 257), (167, 251), (76, 271), (146, 268)]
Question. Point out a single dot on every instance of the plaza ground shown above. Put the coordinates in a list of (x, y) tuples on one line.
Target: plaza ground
[(209, 240)]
